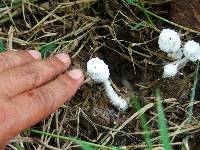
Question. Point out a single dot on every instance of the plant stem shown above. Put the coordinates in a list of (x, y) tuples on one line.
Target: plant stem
[(190, 110), (165, 20)]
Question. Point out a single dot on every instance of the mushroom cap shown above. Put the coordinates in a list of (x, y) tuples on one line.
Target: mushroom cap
[(191, 50), (170, 70), (169, 41), (97, 70)]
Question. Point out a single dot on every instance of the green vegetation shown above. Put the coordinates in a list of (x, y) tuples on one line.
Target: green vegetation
[(2, 46), (162, 123)]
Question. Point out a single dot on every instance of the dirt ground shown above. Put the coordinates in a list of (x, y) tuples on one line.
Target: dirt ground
[(126, 38)]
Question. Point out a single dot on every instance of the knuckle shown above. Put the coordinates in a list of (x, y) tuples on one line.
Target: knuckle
[(65, 81), (31, 75), (46, 98), (54, 64)]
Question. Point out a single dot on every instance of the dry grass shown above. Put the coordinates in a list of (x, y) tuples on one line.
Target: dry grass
[(126, 39)]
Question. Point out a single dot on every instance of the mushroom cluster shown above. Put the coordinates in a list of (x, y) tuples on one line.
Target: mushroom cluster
[(99, 72), (169, 41)]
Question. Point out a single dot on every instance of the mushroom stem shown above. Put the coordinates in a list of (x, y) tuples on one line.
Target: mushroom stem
[(181, 62), (176, 55), (116, 100)]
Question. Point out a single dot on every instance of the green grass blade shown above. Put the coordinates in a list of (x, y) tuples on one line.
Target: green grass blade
[(137, 26), (131, 1), (192, 100), (162, 123), (147, 134), (85, 145), (2, 46), (47, 49), (190, 110)]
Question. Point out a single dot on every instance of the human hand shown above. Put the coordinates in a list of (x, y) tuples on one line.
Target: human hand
[(31, 89)]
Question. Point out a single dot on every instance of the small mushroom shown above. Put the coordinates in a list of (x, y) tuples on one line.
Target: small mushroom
[(99, 72), (171, 69), (191, 50), (169, 41)]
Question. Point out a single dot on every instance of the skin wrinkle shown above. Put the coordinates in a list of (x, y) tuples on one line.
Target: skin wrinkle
[(45, 98), (54, 64), (32, 76), (7, 60), (62, 81)]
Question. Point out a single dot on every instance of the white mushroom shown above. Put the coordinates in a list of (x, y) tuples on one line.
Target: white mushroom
[(169, 41), (171, 69), (191, 50), (99, 72)]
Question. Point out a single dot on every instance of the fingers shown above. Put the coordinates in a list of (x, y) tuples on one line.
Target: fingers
[(10, 59), (41, 102), (32, 75)]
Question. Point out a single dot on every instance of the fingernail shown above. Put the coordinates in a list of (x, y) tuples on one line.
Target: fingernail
[(35, 54), (63, 57), (75, 74)]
